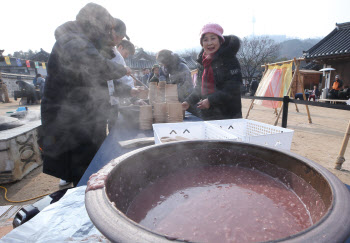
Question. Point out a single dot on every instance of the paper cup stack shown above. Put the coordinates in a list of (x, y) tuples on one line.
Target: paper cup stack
[(152, 95), (171, 95), (175, 113), (161, 92), (143, 93), (146, 117), (160, 112)]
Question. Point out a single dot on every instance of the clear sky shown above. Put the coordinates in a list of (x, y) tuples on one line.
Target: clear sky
[(174, 25)]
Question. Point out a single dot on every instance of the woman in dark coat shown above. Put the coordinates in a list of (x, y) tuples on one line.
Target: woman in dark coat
[(217, 91), (75, 105)]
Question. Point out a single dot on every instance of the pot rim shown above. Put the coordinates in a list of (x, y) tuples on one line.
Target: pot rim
[(337, 211)]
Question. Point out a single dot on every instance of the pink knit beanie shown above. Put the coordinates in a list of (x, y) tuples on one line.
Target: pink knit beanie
[(212, 28)]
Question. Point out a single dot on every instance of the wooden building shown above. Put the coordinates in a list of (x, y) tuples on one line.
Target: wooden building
[(140, 61), (307, 80), (41, 56), (310, 78), (333, 51)]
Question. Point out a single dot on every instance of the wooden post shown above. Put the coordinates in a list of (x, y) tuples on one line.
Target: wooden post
[(285, 111), (296, 63), (307, 107), (296, 107), (293, 95), (252, 104), (340, 159)]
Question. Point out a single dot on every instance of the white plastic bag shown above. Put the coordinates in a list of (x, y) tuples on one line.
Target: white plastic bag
[(63, 221)]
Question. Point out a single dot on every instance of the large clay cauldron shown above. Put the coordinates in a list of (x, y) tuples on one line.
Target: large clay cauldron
[(114, 187)]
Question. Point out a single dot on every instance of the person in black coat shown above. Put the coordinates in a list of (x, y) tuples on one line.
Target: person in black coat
[(75, 106), (28, 90), (217, 92), (253, 87)]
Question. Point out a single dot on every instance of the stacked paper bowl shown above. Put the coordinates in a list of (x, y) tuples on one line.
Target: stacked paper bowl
[(146, 117), (171, 95), (152, 94), (175, 113), (161, 91), (160, 112)]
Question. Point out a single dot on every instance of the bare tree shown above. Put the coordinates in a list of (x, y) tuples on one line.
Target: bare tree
[(254, 52), (2, 59), (190, 52), (24, 54), (151, 53)]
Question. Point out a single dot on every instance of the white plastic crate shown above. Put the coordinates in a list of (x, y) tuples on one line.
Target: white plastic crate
[(256, 132), (190, 130)]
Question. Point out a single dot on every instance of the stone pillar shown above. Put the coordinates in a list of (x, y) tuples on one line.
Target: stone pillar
[(19, 152)]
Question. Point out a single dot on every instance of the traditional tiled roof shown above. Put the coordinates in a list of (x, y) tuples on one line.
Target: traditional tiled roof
[(335, 44), (142, 55), (139, 64), (140, 60), (309, 71), (41, 56), (190, 62), (144, 60), (312, 66)]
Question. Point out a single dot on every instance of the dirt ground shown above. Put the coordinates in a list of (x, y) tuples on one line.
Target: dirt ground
[(319, 141), (35, 183)]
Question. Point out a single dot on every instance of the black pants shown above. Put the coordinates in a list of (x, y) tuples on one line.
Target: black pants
[(333, 94), (70, 164)]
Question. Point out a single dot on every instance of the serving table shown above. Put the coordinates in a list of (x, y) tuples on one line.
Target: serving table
[(67, 219), (111, 149)]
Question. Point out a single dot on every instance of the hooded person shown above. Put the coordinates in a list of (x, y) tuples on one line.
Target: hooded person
[(217, 91), (178, 72), (155, 72), (74, 108)]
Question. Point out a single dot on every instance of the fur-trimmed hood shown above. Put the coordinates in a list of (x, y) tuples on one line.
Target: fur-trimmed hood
[(70, 27), (228, 49)]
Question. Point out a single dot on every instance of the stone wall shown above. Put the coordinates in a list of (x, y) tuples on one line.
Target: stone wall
[(10, 80), (19, 152)]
